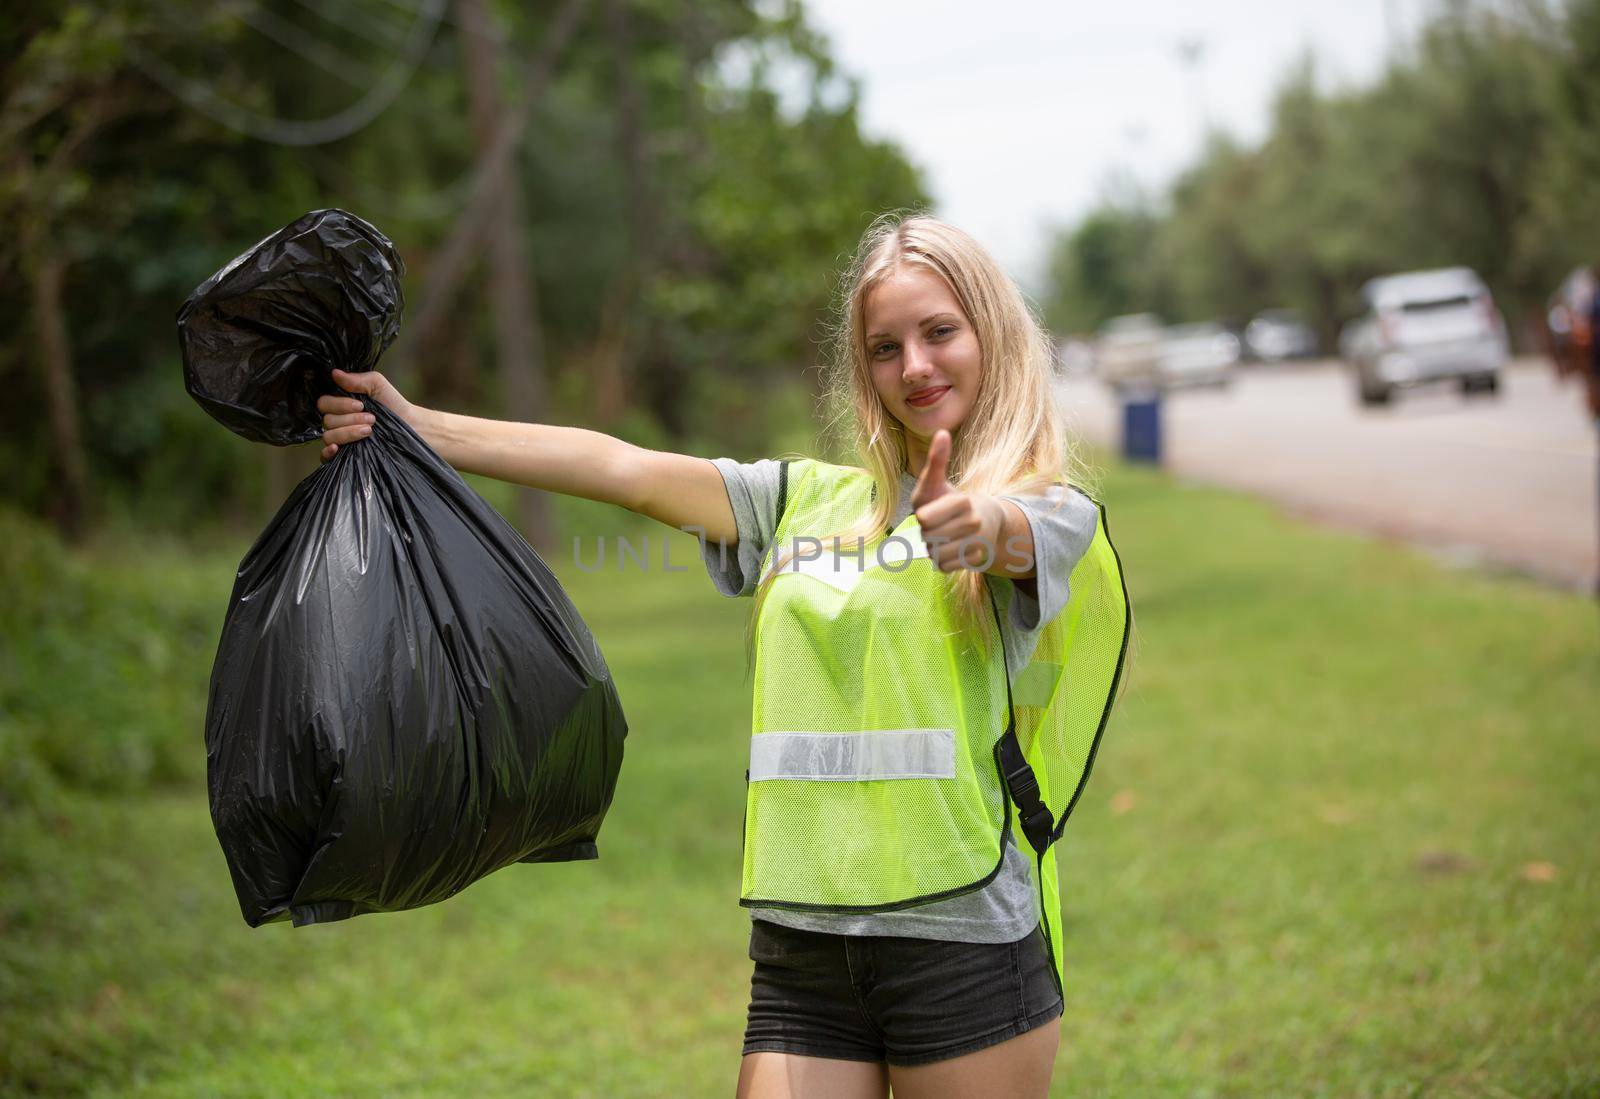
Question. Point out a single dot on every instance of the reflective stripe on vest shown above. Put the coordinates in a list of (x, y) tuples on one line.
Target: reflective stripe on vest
[(854, 757)]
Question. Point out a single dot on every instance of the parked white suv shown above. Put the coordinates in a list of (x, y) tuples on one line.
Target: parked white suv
[(1425, 326)]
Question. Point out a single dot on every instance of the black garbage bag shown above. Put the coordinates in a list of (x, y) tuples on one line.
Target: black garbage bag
[(404, 699)]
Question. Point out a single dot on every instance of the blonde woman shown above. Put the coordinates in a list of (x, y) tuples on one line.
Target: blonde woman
[(897, 933)]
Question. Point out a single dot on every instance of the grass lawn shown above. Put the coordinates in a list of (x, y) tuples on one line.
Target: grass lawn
[(1341, 840)]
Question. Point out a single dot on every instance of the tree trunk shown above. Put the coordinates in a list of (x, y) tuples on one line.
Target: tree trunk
[(635, 371), (519, 340), (45, 271), (284, 467), (609, 393), (446, 362), (448, 265), (1328, 313), (69, 507)]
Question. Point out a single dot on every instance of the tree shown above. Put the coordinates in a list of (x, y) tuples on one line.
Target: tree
[(519, 336), (1475, 149), (63, 90), (1105, 266), (721, 207)]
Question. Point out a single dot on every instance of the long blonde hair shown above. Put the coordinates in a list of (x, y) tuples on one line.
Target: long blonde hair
[(1014, 438)]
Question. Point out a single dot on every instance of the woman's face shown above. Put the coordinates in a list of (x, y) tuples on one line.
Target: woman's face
[(924, 355)]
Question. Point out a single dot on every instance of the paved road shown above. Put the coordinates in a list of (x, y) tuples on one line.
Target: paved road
[(1509, 480)]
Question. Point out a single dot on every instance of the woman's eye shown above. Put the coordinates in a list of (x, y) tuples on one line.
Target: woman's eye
[(944, 330), (881, 349)]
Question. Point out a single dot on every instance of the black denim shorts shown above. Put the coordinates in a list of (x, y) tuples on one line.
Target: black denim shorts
[(885, 998)]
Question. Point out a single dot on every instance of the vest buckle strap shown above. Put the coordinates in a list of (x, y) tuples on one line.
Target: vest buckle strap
[(1033, 816)]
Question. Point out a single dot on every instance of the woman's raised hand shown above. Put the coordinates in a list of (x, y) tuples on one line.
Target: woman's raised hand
[(343, 421), (961, 530)]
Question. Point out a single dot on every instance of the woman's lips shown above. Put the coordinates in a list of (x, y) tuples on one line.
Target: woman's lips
[(927, 399)]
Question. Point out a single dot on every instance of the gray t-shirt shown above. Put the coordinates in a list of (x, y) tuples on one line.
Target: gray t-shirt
[(1008, 907)]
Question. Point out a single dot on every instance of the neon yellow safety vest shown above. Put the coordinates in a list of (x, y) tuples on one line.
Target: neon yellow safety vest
[(880, 760)]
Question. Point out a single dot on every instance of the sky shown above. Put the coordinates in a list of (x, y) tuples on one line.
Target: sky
[(1020, 112)]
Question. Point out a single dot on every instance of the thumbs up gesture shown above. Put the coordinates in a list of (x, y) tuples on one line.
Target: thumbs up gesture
[(960, 529)]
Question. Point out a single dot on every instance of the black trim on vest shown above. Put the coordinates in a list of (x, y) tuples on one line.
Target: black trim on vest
[(1023, 786), (1033, 815), (887, 531), (783, 494), (1116, 677)]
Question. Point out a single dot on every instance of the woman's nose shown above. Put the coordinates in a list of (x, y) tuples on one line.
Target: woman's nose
[(914, 362)]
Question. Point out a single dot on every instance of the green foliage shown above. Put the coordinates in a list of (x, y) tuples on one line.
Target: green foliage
[(1307, 862), (1475, 148), (1212, 215), (1104, 267), (104, 659), (1562, 227), (780, 204)]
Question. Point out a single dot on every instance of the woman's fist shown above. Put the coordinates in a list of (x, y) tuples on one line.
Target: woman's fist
[(960, 529), (343, 420)]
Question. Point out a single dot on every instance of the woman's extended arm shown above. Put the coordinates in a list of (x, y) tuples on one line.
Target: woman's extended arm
[(676, 489)]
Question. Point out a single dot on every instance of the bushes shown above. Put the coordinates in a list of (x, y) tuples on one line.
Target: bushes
[(104, 660)]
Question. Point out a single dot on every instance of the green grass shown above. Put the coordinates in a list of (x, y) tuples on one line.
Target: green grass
[(1302, 867)]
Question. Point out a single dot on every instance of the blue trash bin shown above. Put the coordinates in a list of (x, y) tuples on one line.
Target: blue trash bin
[(1141, 427)]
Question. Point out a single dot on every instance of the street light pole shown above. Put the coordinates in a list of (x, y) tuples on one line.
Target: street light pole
[(1192, 56)]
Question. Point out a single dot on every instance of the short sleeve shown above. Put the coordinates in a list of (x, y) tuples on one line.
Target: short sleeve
[(753, 494), (1063, 522)]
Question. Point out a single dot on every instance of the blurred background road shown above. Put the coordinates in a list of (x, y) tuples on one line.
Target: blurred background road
[(1508, 481)]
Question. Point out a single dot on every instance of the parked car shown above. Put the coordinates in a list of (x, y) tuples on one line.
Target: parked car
[(1198, 354), (1568, 324), (1074, 355), (1278, 334), (1423, 327), (1127, 352)]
